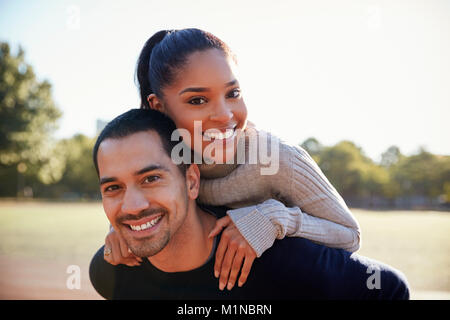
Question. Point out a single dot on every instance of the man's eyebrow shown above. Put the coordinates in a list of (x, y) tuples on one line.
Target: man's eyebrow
[(200, 89), (151, 167), (107, 180)]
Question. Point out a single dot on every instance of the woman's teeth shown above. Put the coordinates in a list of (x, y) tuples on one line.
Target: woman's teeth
[(216, 135), (145, 225)]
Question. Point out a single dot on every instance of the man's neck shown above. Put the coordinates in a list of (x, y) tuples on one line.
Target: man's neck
[(190, 247)]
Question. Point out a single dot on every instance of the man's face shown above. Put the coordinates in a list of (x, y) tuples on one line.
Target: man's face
[(144, 193)]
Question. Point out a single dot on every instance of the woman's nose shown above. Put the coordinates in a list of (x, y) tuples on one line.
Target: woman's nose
[(222, 112), (134, 201)]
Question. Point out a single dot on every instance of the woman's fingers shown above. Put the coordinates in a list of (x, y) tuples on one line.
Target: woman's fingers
[(124, 248), (131, 262), (115, 253), (230, 255), (226, 266), (107, 252), (220, 253), (246, 269), (237, 264), (220, 224)]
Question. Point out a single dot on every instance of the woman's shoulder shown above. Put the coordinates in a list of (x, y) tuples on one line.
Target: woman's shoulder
[(270, 142)]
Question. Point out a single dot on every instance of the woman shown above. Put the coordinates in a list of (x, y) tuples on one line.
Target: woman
[(190, 75)]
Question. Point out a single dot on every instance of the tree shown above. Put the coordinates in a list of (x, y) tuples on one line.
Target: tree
[(313, 147), (421, 175), (344, 165), (79, 178), (391, 156), (389, 160), (28, 116)]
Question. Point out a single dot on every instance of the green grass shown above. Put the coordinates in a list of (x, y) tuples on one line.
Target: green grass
[(56, 231), (415, 242)]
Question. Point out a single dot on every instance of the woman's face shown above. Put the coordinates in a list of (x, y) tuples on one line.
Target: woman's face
[(205, 99)]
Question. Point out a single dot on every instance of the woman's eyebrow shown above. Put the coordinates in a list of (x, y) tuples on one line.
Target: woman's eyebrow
[(197, 89), (200, 89), (231, 83)]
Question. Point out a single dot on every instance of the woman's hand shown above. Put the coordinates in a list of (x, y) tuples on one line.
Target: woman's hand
[(232, 251), (117, 252)]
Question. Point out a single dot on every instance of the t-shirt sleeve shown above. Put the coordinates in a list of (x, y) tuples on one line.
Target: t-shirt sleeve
[(102, 275)]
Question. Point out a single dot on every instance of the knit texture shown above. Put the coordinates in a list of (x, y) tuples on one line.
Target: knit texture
[(298, 200)]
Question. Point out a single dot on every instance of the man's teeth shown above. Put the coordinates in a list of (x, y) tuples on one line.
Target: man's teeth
[(145, 225), (211, 134)]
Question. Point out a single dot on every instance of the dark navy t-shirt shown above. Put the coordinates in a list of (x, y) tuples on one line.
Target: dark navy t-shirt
[(293, 268)]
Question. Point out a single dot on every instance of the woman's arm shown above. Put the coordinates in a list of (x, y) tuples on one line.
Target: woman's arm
[(275, 221), (324, 217)]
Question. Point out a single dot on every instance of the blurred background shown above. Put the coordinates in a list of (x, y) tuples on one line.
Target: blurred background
[(362, 85)]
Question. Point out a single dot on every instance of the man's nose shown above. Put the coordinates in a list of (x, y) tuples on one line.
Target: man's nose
[(222, 112), (134, 201)]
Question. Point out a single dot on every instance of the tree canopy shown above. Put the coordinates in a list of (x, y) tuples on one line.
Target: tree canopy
[(28, 117)]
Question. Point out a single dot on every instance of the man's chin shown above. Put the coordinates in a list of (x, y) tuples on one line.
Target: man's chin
[(147, 247)]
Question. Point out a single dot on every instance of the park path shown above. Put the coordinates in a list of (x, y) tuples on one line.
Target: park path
[(31, 279), (34, 279)]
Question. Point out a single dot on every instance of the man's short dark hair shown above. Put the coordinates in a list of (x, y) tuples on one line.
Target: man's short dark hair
[(139, 120)]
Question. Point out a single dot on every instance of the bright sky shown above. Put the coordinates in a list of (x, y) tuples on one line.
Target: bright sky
[(373, 72)]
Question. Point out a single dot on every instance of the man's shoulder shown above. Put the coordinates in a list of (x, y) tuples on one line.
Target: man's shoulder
[(217, 211), (330, 273), (298, 260), (102, 275)]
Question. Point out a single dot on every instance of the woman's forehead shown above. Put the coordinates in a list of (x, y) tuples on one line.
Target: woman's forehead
[(206, 68)]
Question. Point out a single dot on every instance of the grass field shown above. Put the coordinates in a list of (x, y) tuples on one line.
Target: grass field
[(38, 241)]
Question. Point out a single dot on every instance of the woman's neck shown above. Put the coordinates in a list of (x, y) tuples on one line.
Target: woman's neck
[(213, 171)]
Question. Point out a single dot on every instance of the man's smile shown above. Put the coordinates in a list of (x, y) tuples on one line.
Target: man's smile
[(143, 227)]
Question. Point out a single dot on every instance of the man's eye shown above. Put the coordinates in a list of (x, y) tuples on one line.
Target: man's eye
[(111, 188), (197, 101), (151, 179), (235, 93)]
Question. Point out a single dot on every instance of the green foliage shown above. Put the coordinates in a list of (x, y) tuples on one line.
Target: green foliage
[(422, 174), (314, 148), (356, 176), (79, 173), (31, 160), (346, 167), (28, 116)]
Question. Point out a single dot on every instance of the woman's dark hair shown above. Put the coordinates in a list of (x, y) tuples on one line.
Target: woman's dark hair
[(165, 52)]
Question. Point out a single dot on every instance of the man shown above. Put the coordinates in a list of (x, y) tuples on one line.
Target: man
[(151, 202)]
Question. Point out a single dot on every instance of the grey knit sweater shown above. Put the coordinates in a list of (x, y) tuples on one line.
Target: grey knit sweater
[(297, 201)]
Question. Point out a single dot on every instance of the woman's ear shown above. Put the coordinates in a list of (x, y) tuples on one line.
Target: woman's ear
[(155, 103), (193, 181)]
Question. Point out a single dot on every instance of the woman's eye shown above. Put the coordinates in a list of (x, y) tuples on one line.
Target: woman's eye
[(235, 93), (197, 101)]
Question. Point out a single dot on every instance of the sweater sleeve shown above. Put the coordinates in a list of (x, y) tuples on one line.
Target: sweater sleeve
[(316, 210), (326, 218)]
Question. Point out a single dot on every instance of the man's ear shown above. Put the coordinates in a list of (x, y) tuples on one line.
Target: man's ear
[(155, 103), (193, 181)]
